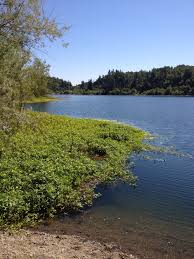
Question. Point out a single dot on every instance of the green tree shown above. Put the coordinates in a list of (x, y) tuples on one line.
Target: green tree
[(36, 78), (23, 28)]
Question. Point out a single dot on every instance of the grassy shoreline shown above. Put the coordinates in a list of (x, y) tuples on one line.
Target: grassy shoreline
[(53, 164), (42, 99)]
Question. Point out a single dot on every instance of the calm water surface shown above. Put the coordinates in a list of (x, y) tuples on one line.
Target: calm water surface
[(163, 201)]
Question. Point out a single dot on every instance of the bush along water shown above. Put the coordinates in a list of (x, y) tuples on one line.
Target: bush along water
[(54, 163)]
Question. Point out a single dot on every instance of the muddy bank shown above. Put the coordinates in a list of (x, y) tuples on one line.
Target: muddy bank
[(86, 237), (143, 244), (35, 244)]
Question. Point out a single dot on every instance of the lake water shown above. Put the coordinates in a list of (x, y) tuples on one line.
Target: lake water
[(163, 202)]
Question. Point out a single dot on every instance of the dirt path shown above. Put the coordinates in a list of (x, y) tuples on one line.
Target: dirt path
[(31, 244)]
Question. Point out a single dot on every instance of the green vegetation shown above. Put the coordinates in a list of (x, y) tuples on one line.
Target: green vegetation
[(161, 81), (42, 99), (23, 76), (60, 86), (53, 164)]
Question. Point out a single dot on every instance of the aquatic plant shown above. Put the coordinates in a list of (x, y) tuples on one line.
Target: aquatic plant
[(54, 163)]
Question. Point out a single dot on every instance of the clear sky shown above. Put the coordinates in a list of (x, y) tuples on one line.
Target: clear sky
[(120, 34)]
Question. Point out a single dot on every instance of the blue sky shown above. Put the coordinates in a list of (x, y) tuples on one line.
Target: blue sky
[(120, 34)]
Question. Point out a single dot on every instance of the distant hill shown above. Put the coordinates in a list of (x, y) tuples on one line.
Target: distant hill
[(177, 80)]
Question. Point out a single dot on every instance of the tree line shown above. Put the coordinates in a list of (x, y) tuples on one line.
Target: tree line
[(167, 80), (59, 86)]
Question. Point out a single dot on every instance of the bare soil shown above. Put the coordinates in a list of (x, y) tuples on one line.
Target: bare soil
[(35, 244)]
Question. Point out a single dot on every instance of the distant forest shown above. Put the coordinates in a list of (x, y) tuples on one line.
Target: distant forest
[(167, 80)]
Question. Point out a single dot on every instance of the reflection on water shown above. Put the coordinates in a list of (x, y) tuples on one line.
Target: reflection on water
[(163, 201)]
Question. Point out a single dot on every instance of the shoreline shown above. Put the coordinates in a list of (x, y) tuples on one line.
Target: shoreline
[(97, 155), (142, 243), (86, 237), (131, 95), (56, 246), (89, 234), (42, 99)]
